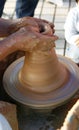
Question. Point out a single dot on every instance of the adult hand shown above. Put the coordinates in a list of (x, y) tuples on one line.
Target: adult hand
[(8, 27), (28, 36)]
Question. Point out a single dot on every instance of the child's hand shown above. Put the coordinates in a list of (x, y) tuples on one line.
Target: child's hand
[(77, 42), (72, 119)]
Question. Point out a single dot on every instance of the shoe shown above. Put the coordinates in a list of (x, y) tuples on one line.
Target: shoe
[(57, 2)]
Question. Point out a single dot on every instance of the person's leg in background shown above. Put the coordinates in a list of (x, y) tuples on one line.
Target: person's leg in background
[(2, 3), (25, 8)]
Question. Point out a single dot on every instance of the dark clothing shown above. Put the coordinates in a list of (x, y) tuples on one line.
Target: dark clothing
[(25, 8), (2, 3)]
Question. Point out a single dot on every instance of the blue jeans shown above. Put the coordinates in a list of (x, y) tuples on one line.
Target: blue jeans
[(2, 3), (25, 8)]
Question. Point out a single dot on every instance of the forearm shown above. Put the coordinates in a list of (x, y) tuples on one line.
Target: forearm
[(6, 48), (4, 26)]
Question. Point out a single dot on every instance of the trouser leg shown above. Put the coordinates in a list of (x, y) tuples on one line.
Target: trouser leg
[(2, 3), (25, 7)]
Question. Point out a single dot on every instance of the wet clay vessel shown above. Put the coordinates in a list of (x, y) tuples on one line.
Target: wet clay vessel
[(41, 81)]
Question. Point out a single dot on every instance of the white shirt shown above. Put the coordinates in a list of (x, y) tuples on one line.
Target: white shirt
[(72, 33), (4, 124)]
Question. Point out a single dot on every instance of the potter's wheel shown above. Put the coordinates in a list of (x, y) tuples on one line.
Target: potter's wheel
[(41, 100)]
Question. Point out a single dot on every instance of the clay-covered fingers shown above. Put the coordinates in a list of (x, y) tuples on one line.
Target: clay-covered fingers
[(35, 22), (8, 27), (42, 26), (28, 39), (45, 29), (22, 22), (45, 43), (45, 26)]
